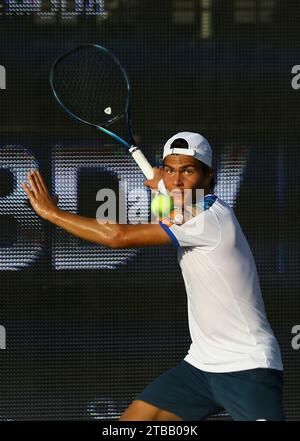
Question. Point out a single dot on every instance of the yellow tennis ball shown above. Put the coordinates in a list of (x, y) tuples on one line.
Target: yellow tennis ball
[(162, 205)]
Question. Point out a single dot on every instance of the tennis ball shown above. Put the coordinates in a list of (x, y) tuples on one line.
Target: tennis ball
[(162, 205)]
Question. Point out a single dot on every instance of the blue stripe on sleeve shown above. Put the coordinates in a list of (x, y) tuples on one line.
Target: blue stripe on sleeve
[(170, 233)]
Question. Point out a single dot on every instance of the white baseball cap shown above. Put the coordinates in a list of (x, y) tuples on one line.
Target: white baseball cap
[(192, 144)]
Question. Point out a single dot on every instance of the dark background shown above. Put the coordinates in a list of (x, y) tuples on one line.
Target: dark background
[(87, 327)]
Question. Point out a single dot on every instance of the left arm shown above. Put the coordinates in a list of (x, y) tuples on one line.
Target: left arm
[(93, 230)]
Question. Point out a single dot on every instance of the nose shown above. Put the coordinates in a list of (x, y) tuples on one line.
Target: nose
[(177, 179)]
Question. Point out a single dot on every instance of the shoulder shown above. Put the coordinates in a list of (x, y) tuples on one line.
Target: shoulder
[(222, 210), (220, 203)]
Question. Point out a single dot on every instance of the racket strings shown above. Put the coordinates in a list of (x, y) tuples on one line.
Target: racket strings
[(91, 85)]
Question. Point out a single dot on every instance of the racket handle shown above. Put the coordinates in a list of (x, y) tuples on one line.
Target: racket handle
[(141, 161)]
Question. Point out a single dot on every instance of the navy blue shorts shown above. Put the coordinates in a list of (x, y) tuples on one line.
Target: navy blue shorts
[(193, 394)]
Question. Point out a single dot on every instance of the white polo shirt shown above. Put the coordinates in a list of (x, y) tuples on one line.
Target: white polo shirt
[(226, 314)]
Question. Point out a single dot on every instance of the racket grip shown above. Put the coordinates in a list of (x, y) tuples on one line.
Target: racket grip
[(141, 161)]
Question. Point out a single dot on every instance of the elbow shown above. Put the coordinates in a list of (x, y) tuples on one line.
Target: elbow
[(116, 244), (121, 239), (117, 241)]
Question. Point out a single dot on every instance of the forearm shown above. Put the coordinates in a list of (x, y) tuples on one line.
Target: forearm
[(92, 230), (86, 228)]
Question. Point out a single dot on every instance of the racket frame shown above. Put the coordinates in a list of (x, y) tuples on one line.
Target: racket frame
[(136, 153)]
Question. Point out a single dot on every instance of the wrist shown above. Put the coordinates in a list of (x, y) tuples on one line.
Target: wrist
[(53, 214)]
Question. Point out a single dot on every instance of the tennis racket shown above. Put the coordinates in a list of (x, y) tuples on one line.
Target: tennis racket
[(91, 85)]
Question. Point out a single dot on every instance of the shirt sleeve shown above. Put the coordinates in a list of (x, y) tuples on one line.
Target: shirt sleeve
[(202, 231)]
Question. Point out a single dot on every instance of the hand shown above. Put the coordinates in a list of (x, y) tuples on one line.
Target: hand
[(157, 176), (41, 201)]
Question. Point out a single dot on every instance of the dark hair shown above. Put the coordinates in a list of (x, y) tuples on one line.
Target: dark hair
[(179, 143), (205, 168)]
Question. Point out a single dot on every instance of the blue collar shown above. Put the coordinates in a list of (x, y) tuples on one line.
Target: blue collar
[(209, 200)]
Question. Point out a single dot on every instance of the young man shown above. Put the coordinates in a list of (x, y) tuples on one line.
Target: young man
[(234, 360)]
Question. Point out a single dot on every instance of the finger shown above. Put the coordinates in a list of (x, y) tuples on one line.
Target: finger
[(37, 182), (148, 184), (32, 184), (41, 180), (158, 172), (27, 190)]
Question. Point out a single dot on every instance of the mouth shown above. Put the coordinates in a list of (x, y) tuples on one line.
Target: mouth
[(178, 189)]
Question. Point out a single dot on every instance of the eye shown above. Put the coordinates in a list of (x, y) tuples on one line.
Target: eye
[(189, 171)]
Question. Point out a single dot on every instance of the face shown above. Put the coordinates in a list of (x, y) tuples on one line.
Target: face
[(182, 172)]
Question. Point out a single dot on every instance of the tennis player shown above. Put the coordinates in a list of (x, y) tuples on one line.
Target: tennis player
[(234, 361)]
